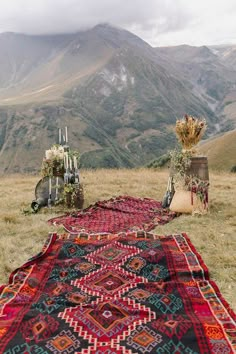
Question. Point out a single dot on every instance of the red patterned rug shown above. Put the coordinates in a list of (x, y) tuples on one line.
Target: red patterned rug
[(117, 214), (120, 294)]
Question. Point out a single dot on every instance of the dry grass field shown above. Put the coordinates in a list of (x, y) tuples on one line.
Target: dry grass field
[(213, 235)]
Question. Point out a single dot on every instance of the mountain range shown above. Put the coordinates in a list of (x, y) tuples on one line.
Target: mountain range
[(119, 96)]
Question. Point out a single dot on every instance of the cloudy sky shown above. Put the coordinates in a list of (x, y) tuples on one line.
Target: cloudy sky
[(159, 22)]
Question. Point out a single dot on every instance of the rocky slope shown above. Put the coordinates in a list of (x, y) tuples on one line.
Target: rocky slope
[(118, 96)]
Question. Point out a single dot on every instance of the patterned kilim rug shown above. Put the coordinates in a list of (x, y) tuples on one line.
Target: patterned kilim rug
[(116, 294), (115, 215)]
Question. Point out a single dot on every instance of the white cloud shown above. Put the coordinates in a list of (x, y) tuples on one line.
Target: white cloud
[(160, 22), (212, 22)]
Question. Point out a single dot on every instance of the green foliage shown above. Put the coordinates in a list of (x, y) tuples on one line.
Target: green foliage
[(94, 134), (147, 118), (158, 144), (233, 169), (213, 92), (180, 161), (134, 147), (113, 157), (161, 161), (73, 196), (115, 103), (99, 159), (28, 144), (50, 166), (133, 136), (228, 103), (111, 126), (20, 132)]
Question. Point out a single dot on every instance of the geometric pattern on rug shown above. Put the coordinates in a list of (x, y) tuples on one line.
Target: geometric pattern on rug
[(117, 253), (108, 282), (130, 293), (116, 215), (107, 321)]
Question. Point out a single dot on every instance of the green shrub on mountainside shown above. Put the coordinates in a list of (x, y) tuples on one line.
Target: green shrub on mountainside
[(228, 103), (147, 148), (95, 135), (144, 120), (133, 136), (161, 161), (134, 147), (160, 142), (114, 103), (102, 158), (111, 126)]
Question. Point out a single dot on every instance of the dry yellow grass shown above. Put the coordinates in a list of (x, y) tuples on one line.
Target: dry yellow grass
[(213, 235)]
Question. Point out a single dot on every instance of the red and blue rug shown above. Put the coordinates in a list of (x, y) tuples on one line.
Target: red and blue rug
[(131, 293), (115, 215)]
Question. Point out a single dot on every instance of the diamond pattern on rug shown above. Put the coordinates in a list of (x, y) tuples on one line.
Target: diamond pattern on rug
[(108, 321), (144, 340), (115, 215), (117, 253), (121, 294), (108, 282), (64, 343)]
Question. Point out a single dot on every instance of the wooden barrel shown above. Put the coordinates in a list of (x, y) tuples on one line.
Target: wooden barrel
[(199, 168)]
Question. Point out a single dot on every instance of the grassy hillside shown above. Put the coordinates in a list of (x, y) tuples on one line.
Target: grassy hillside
[(229, 109), (221, 151), (213, 234)]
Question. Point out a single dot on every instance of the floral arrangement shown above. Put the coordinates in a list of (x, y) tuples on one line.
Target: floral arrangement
[(72, 196), (55, 153), (190, 130), (200, 187), (53, 162), (56, 160)]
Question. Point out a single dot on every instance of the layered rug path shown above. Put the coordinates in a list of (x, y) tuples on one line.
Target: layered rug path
[(117, 214), (121, 294)]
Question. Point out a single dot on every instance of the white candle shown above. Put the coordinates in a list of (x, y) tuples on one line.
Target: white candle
[(70, 164), (67, 161), (59, 136), (75, 163), (56, 197), (66, 135), (50, 186)]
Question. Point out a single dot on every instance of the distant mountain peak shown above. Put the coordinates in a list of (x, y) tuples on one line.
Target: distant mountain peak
[(104, 25), (119, 96)]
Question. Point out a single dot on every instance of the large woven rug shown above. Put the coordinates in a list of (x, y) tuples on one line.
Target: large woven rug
[(117, 214), (115, 294)]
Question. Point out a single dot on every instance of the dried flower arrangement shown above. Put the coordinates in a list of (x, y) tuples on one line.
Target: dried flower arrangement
[(189, 131)]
